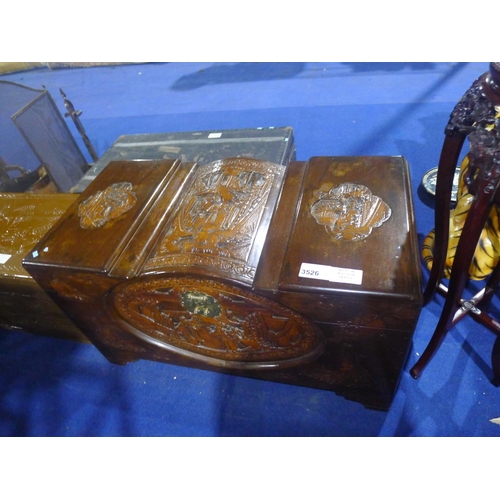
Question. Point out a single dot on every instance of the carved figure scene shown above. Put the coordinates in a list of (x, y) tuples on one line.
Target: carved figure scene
[(349, 211), (220, 214), (106, 205), (20, 229), (215, 320)]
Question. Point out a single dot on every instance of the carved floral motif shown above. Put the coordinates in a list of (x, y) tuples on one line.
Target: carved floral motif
[(349, 211)]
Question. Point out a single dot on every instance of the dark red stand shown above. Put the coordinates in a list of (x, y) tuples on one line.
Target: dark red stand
[(471, 115)]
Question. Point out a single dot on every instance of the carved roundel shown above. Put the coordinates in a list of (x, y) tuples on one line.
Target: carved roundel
[(215, 323)]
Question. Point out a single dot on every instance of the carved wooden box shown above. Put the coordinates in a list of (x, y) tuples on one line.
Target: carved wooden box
[(306, 274), (24, 219)]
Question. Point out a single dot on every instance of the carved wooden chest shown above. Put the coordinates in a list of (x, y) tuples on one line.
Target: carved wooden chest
[(307, 274), (24, 219)]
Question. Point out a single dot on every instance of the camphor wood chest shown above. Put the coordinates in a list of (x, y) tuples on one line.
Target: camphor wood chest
[(24, 219), (307, 274)]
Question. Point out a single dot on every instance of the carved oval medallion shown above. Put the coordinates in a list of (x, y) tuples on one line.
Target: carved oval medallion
[(106, 205), (215, 323), (349, 211)]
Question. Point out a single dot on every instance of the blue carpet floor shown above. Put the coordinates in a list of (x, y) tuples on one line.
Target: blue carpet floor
[(53, 387)]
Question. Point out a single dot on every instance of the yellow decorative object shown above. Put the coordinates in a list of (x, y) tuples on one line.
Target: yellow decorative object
[(14, 67), (487, 252)]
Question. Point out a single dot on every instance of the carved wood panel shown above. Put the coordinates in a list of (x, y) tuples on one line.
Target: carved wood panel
[(219, 217), (24, 220), (215, 323)]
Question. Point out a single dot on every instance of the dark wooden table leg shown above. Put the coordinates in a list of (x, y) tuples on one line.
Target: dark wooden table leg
[(491, 287), (475, 116), (495, 363), (446, 171), (478, 214)]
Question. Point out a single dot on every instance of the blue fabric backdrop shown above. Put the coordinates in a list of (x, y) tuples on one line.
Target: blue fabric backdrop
[(53, 387)]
